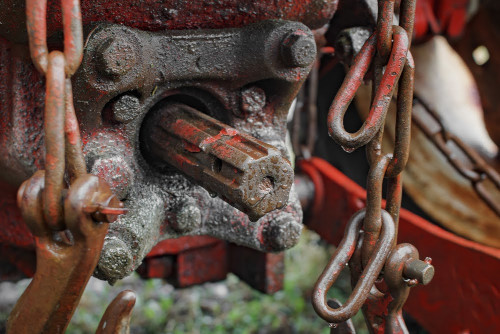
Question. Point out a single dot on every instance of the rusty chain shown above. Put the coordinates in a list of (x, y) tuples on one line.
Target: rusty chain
[(476, 170), (387, 53), (60, 122), (68, 224), (63, 143)]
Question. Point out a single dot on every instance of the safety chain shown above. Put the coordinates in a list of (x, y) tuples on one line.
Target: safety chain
[(381, 271), (476, 170), (69, 225)]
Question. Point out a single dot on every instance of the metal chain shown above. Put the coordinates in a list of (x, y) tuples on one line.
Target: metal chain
[(387, 52), (63, 145), (68, 225), (62, 135), (477, 170)]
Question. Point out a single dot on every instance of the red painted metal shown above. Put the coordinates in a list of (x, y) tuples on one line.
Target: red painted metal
[(262, 271), (153, 15), (464, 295), (188, 261), (447, 17), (175, 246)]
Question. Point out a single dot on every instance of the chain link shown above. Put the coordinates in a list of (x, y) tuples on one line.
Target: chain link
[(59, 117), (476, 169), (387, 51), (63, 145)]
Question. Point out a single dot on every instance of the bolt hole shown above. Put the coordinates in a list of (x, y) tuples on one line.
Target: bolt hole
[(267, 185), (217, 165)]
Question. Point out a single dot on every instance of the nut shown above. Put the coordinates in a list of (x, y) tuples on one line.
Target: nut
[(420, 270), (283, 232), (118, 57), (115, 259), (187, 218), (298, 49)]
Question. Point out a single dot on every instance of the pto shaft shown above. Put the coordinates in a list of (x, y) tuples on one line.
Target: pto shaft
[(245, 172)]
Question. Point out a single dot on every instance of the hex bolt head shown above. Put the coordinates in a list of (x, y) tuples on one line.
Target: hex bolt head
[(349, 43), (117, 57), (298, 49), (115, 259), (283, 232), (126, 108), (187, 218), (420, 270), (253, 99)]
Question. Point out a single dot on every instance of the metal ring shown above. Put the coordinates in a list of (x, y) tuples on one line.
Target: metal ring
[(36, 12), (385, 28), (73, 35), (54, 141), (403, 119), (338, 262), (382, 98)]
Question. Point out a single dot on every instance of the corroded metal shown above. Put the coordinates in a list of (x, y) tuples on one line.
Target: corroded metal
[(63, 265), (247, 173), (382, 307), (373, 123), (248, 86), (240, 79), (116, 318), (338, 262), (69, 226), (467, 270)]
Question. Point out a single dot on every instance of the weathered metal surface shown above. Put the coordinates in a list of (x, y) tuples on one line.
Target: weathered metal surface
[(339, 260), (377, 249), (63, 266), (152, 15), (247, 85), (464, 291), (68, 225), (245, 172), (351, 141)]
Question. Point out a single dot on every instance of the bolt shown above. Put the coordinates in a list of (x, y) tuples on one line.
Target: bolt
[(420, 270), (344, 47), (126, 108), (283, 232), (298, 49), (115, 259), (253, 99), (187, 218), (117, 57), (116, 172), (349, 43)]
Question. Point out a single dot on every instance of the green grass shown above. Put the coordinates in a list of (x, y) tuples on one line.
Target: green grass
[(223, 307), (226, 307)]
